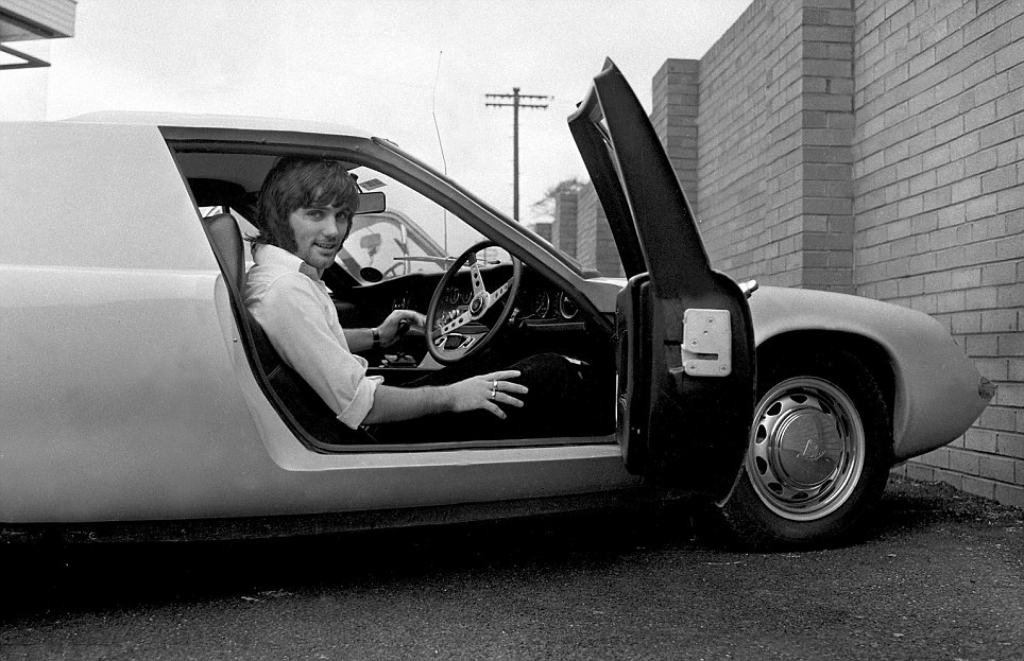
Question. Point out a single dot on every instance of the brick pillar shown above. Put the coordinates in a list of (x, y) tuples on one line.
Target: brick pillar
[(563, 229), (543, 230), (676, 95), (828, 132), (595, 245), (783, 263)]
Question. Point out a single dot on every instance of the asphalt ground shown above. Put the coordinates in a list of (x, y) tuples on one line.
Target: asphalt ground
[(939, 575)]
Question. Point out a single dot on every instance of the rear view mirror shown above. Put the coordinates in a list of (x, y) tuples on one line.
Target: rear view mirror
[(371, 202)]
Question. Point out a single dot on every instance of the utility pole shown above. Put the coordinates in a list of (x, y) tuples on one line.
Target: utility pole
[(516, 105)]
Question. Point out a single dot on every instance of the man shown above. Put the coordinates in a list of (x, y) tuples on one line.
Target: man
[(304, 215)]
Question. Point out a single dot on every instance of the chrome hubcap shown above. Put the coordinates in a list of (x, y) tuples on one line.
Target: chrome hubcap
[(806, 449)]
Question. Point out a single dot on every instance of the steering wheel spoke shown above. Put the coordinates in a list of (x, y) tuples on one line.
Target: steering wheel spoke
[(493, 297), (474, 276), (456, 323)]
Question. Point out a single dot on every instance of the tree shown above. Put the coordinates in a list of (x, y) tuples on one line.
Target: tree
[(546, 205)]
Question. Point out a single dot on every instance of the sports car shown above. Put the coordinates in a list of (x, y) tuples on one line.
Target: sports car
[(138, 397)]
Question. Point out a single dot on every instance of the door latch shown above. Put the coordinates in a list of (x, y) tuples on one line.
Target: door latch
[(707, 342)]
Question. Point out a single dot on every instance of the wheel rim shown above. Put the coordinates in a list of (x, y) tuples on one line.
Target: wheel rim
[(807, 448)]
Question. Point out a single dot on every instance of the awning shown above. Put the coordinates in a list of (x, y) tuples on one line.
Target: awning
[(24, 20)]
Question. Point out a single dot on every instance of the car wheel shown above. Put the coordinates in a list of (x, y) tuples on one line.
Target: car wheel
[(819, 452)]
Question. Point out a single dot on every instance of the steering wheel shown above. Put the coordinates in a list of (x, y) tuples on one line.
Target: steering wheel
[(452, 339)]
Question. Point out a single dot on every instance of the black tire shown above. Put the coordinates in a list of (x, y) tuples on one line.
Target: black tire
[(819, 455)]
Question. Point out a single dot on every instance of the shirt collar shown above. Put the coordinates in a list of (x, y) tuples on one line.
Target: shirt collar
[(268, 254)]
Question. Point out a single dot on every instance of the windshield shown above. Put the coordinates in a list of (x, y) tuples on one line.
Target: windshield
[(541, 230)]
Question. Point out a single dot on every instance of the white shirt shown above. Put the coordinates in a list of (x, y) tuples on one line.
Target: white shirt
[(292, 304)]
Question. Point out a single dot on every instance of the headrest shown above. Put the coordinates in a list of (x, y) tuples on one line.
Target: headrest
[(220, 193)]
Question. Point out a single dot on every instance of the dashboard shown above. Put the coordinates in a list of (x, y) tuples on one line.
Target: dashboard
[(544, 302), (537, 302)]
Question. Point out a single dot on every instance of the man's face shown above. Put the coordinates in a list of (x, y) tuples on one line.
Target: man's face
[(319, 232)]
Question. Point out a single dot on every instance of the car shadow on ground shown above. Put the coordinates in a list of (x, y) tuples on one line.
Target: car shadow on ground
[(910, 505), (59, 579)]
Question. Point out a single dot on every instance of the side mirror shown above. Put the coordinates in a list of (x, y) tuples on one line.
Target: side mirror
[(373, 202)]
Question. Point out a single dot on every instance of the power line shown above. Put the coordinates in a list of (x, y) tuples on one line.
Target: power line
[(516, 104)]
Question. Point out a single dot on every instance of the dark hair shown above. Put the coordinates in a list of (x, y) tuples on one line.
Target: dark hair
[(300, 182)]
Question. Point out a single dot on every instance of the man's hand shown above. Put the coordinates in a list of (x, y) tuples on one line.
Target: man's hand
[(397, 323), (486, 392)]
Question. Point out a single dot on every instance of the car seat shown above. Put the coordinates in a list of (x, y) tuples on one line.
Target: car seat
[(301, 408)]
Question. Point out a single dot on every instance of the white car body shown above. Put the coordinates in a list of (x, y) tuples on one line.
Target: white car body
[(126, 394)]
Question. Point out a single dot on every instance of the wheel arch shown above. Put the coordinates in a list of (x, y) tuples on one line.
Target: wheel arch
[(937, 392), (872, 353)]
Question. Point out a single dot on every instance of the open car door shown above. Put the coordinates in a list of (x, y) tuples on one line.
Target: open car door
[(683, 330)]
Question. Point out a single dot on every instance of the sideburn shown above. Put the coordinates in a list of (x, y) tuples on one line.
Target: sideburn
[(283, 236)]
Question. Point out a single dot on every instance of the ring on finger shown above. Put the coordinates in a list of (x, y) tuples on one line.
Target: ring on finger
[(494, 390)]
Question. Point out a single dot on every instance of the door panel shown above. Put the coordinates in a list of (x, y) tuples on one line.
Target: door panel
[(632, 316), (684, 409)]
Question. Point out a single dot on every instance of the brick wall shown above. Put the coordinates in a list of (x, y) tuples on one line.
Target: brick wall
[(595, 245), (875, 146), (775, 130), (676, 91), (939, 201), (748, 209)]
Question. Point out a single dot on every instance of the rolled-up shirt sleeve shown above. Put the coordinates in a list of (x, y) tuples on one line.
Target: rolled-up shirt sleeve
[(293, 313)]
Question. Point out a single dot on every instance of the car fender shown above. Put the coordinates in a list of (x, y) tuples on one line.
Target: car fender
[(937, 390)]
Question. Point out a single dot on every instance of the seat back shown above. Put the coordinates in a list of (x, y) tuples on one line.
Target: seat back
[(301, 407), (226, 240)]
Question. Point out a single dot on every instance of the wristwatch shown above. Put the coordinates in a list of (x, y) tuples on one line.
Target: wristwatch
[(376, 338)]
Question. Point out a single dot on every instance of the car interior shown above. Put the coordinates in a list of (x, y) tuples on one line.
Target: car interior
[(366, 286)]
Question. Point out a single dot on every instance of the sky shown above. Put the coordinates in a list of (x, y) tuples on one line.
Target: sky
[(414, 71)]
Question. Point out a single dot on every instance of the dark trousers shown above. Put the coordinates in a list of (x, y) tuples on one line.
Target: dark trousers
[(564, 399)]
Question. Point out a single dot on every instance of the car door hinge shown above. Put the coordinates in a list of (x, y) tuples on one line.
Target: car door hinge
[(707, 342)]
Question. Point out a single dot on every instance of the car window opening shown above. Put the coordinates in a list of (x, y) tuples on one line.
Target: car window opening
[(393, 259)]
